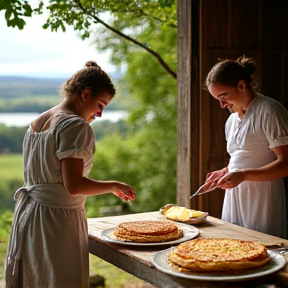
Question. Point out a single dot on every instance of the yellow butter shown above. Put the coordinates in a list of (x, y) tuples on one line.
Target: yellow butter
[(178, 213), (182, 213), (195, 214)]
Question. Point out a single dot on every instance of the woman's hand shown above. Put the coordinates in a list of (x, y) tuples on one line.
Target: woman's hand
[(124, 191), (216, 175), (222, 179), (212, 180), (231, 179)]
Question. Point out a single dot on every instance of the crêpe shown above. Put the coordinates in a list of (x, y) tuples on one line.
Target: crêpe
[(218, 254), (148, 231)]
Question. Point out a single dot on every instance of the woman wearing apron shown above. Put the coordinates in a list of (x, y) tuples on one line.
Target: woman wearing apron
[(49, 238), (257, 142)]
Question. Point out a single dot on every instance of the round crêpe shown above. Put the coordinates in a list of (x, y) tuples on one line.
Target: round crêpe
[(218, 254), (147, 231)]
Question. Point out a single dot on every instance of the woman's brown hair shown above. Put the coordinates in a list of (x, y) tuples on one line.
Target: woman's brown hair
[(230, 72), (92, 77)]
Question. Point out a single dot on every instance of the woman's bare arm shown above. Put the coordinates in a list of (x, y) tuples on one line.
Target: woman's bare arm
[(274, 170), (77, 184)]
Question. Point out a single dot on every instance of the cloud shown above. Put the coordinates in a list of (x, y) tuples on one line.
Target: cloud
[(37, 52)]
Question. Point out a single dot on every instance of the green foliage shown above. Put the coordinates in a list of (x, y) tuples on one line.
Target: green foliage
[(11, 178), (7, 189), (119, 279), (6, 218), (130, 19), (146, 157), (82, 13), (103, 128), (11, 139), (107, 149), (15, 11)]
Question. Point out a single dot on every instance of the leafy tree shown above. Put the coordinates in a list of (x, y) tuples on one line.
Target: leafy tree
[(15, 10), (104, 128), (132, 13), (146, 157), (82, 14)]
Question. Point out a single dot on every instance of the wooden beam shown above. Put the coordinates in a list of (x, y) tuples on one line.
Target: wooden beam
[(184, 102)]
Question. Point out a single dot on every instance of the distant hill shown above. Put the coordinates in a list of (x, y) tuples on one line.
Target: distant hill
[(19, 87), (27, 94)]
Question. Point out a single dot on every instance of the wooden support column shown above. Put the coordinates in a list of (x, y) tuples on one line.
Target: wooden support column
[(188, 100)]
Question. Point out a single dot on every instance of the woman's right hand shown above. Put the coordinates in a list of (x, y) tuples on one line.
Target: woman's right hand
[(124, 191), (216, 175), (212, 179)]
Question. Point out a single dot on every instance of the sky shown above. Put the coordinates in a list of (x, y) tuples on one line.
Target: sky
[(36, 52)]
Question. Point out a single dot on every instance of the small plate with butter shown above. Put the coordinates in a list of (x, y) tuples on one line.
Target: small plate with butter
[(182, 214)]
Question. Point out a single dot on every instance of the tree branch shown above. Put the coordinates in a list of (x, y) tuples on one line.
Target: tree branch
[(156, 18), (155, 54)]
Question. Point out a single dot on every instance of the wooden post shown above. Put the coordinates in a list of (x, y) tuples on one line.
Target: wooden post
[(188, 101), (184, 102)]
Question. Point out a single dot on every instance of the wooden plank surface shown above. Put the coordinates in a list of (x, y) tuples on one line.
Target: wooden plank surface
[(137, 260)]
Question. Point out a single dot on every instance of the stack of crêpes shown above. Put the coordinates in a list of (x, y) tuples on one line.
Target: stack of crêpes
[(147, 231), (218, 255), (203, 255)]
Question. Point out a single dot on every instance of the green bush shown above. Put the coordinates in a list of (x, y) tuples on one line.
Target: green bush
[(7, 190), (6, 218)]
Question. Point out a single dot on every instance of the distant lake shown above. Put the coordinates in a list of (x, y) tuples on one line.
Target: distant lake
[(24, 119)]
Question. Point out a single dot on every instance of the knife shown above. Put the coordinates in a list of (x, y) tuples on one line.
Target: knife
[(203, 189)]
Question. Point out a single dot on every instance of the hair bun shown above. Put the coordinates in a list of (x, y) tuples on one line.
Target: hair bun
[(248, 64), (91, 64)]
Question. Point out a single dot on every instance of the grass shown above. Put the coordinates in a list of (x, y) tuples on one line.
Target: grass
[(11, 166), (119, 279)]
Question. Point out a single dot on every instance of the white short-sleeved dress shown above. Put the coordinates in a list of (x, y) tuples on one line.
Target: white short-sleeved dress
[(257, 205), (49, 240)]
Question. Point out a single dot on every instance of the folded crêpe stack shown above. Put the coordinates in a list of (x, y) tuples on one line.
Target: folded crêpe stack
[(218, 254), (148, 231)]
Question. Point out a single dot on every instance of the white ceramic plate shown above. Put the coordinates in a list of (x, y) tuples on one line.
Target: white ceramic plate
[(189, 232), (277, 262)]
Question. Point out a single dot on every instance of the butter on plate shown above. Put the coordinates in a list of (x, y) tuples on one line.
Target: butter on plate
[(183, 214)]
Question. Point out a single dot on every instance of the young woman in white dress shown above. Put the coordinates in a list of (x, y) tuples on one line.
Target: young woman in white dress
[(257, 142), (49, 238)]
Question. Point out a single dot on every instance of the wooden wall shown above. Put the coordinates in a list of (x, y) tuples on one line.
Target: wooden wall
[(209, 30)]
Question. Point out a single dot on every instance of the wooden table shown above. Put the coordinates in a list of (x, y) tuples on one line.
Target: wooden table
[(136, 260)]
